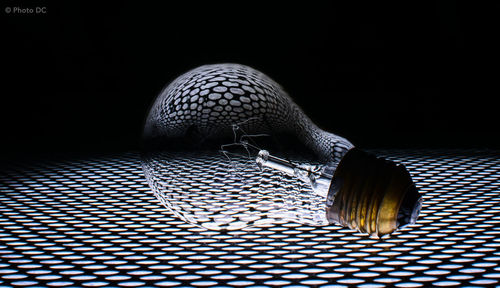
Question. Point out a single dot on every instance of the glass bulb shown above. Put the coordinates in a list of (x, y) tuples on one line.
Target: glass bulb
[(226, 147)]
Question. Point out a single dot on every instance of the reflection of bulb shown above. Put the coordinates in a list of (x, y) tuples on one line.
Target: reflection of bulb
[(226, 148)]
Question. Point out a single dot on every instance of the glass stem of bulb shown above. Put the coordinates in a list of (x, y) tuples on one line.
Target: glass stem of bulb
[(315, 175)]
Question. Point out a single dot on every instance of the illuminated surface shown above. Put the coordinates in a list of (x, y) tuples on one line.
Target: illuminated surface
[(94, 222)]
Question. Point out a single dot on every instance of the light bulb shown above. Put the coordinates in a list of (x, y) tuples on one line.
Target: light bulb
[(226, 148)]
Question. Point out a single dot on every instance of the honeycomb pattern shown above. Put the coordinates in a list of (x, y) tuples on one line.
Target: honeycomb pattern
[(206, 189), (206, 102), (94, 222)]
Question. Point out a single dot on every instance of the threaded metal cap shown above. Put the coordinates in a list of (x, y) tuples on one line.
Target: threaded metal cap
[(372, 195)]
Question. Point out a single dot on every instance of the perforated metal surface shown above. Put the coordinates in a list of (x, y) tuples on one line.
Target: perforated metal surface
[(94, 222)]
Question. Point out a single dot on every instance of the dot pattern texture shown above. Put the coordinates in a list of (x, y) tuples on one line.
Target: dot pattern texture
[(205, 189), (212, 98), (95, 222)]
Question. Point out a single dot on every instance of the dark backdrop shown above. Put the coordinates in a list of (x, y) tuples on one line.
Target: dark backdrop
[(81, 77)]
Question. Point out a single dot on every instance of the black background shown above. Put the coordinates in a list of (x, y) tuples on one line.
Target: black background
[(80, 78)]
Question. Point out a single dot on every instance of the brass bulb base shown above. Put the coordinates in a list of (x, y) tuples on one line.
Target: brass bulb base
[(372, 195)]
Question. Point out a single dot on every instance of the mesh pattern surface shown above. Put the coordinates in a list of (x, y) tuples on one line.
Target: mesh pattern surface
[(231, 194), (95, 222)]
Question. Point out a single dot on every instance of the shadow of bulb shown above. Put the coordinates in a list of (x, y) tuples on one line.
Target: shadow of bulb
[(226, 148)]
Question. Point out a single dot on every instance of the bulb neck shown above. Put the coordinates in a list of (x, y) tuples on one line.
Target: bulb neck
[(372, 195)]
